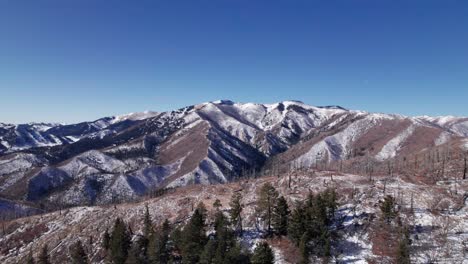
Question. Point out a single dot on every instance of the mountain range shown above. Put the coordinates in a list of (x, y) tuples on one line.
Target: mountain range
[(122, 158)]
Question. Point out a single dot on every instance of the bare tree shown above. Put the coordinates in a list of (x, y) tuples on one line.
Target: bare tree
[(465, 170)]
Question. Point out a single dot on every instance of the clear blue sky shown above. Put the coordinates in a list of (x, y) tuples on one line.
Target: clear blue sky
[(73, 60)]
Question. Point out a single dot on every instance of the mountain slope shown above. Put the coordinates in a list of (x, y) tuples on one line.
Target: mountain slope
[(123, 158)]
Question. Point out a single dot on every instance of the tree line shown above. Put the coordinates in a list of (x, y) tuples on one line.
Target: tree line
[(212, 240)]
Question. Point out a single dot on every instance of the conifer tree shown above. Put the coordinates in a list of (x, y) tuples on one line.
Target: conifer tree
[(78, 254), (403, 250), (148, 225), (266, 201), (106, 240), (43, 257), (304, 250), (263, 254), (217, 204), (235, 212), (136, 254), (296, 224), (388, 209), (158, 249), (194, 237), (280, 217), (119, 242)]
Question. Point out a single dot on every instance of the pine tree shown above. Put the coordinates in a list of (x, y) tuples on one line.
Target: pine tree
[(217, 204), (388, 209), (236, 211), (78, 254), (403, 250), (194, 237), (29, 258), (43, 257), (136, 254), (266, 201), (158, 249), (148, 225), (119, 242), (106, 240), (304, 250), (263, 254), (296, 224), (280, 217)]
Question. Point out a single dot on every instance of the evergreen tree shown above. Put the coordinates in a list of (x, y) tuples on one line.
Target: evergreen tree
[(403, 250), (106, 240), (136, 254), (78, 254), (304, 250), (217, 204), (388, 209), (119, 242), (329, 197), (29, 258), (159, 251), (148, 226), (194, 237), (266, 201), (296, 224), (43, 257), (236, 211), (280, 217), (263, 254)]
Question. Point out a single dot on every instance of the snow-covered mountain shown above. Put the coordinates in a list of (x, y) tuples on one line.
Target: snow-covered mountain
[(127, 156)]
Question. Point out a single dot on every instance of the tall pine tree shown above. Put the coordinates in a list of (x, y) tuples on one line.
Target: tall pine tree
[(280, 217), (263, 254), (194, 236), (235, 212), (120, 242), (267, 199), (158, 249)]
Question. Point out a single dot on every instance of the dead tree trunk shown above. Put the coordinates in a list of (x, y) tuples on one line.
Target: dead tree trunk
[(466, 168)]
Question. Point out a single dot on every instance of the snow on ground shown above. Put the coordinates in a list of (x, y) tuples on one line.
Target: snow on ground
[(391, 148), (443, 138), (134, 116)]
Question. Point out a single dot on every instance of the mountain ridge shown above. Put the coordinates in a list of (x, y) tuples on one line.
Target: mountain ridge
[(125, 157)]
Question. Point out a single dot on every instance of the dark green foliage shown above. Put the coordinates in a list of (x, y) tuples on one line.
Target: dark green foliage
[(388, 209), (217, 204), (158, 248), (280, 217), (263, 254), (147, 224), (106, 240), (296, 224), (309, 225), (266, 201), (136, 254), (43, 257), (235, 212), (119, 242), (304, 250), (221, 244), (78, 254), (403, 251), (194, 237)]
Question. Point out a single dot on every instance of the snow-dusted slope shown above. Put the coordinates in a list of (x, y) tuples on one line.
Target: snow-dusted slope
[(215, 142)]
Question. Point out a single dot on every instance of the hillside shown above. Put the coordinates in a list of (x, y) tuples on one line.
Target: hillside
[(436, 214), (126, 157)]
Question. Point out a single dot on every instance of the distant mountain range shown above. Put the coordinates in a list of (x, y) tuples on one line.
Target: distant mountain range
[(124, 157)]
